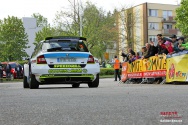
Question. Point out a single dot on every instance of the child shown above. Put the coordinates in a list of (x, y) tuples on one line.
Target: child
[(169, 47)]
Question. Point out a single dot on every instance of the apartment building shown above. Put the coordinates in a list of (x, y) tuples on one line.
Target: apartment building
[(30, 25), (140, 24)]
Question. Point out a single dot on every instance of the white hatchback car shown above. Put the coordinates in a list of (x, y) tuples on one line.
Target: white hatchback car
[(61, 60)]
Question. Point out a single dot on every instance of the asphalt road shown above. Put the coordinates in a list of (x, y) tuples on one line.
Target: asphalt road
[(110, 104)]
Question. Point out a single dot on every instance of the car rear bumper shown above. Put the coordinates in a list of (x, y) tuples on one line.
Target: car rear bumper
[(65, 78)]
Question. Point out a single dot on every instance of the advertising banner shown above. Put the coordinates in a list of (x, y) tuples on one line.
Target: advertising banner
[(155, 66), (177, 68), (124, 71)]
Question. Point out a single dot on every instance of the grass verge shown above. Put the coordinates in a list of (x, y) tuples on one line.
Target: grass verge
[(15, 80), (107, 76)]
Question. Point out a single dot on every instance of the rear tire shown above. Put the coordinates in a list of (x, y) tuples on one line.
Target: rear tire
[(25, 84), (33, 84), (95, 83), (76, 85)]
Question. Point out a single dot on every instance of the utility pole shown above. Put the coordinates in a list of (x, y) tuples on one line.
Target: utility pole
[(80, 15)]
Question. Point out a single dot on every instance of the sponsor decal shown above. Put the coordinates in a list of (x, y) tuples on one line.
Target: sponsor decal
[(67, 66), (54, 71)]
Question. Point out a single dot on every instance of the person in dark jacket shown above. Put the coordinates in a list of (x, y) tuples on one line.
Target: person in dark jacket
[(150, 51), (1, 72), (18, 70), (144, 51), (131, 51), (8, 71), (160, 36), (125, 56), (161, 47), (175, 43)]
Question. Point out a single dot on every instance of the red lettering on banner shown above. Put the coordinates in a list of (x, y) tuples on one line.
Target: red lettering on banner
[(161, 73), (135, 75)]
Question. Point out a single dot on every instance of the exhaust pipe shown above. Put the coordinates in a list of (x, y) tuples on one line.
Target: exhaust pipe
[(67, 79)]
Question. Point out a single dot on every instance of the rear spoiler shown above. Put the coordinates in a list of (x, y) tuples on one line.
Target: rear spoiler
[(66, 37)]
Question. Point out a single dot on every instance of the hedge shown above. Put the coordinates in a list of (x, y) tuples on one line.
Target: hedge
[(107, 71)]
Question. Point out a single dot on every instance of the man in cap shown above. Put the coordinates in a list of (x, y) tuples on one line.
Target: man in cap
[(160, 36), (174, 42), (181, 44)]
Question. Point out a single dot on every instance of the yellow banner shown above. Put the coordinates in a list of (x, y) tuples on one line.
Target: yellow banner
[(152, 64), (177, 68)]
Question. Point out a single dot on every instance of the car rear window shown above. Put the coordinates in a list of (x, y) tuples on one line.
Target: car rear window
[(13, 65), (64, 45)]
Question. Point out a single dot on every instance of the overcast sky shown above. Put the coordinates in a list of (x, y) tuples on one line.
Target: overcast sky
[(48, 8)]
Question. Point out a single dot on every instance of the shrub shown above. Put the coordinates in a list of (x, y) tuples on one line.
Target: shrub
[(107, 71)]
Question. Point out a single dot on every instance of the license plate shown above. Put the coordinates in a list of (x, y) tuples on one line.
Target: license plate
[(66, 59)]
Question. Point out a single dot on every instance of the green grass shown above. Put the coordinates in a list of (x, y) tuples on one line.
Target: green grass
[(15, 80), (106, 76)]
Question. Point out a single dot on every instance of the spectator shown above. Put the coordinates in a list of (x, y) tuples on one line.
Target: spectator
[(132, 58), (160, 36), (116, 68), (8, 71), (131, 51), (1, 72), (154, 48), (169, 47), (103, 64), (144, 51), (18, 70), (137, 55), (125, 57), (174, 42), (161, 47), (181, 44), (150, 51)]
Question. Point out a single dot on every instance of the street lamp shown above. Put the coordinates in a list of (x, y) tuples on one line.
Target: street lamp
[(80, 16)]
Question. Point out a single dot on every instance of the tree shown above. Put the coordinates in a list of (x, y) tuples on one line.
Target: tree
[(182, 17), (46, 32), (98, 26), (41, 20), (13, 39), (129, 21)]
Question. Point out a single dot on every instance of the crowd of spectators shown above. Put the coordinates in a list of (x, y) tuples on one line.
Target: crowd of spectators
[(167, 46)]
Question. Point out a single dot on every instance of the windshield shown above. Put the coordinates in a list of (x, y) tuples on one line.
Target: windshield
[(65, 45)]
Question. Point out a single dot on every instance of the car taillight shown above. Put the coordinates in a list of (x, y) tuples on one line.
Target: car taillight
[(13, 69), (90, 59), (41, 60)]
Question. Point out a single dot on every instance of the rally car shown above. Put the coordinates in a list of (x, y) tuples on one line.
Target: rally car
[(61, 60)]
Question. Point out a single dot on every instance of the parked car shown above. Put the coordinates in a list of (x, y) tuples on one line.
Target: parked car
[(13, 74)]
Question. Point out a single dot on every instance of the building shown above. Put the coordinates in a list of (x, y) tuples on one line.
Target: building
[(30, 25), (140, 24)]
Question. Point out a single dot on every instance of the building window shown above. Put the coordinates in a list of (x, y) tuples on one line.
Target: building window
[(167, 13), (153, 26), (153, 13), (153, 39), (167, 26)]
